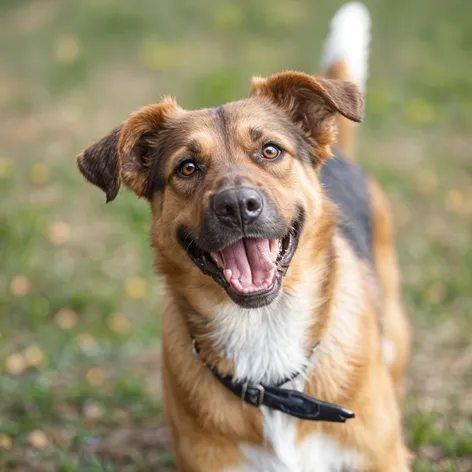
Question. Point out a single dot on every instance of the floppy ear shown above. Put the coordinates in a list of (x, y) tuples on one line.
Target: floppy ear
[(126, 153), (312, 103)]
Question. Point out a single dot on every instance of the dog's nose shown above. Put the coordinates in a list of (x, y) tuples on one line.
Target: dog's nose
[(238, 205)]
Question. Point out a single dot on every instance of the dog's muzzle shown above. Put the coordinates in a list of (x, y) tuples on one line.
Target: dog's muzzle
[(244, 244)]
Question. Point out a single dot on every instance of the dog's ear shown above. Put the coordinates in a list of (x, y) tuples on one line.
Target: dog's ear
[(126, 153), (312, 103)]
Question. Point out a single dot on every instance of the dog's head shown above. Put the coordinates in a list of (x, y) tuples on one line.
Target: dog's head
[(233, 188)]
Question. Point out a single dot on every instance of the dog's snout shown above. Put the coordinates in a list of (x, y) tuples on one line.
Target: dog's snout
[(238, 205)]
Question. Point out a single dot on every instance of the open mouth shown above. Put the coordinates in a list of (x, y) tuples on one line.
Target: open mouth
[(250, 269)]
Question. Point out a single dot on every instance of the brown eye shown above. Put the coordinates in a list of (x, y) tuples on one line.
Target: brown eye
[(188, 168), (271, 151)]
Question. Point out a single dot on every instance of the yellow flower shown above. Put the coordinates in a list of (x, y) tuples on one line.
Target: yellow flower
[(5, 167), (136, 287), (39, 173), (67, 49)]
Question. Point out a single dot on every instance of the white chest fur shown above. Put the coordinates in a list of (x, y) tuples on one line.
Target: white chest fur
[(269, 343), (316, 453), (283, 453)]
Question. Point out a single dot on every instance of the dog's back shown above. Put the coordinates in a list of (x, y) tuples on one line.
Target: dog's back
[(364, 211)]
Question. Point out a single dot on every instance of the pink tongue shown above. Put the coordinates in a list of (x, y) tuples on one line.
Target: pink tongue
[(250, 264)]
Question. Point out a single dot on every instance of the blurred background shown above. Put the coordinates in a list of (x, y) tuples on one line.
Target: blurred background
[(79, 304)]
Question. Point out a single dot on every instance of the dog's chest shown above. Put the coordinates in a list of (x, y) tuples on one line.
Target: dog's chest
[(266, 344), (283, 453)]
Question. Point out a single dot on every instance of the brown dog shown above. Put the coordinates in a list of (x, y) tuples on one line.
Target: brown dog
[(280, 271)]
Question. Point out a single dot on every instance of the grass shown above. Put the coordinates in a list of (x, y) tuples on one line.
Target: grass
[(79, 305)]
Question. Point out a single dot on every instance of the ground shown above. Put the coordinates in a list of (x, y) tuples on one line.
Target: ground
[(79, 304)]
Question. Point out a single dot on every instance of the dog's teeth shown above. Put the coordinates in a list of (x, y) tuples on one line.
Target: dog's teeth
[(274, 248), (217, 258), (269, 278), (228, 273)]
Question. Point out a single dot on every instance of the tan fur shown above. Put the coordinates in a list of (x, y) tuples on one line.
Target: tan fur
[(208, 423), (346, 139), (295, 93), (395, 322)]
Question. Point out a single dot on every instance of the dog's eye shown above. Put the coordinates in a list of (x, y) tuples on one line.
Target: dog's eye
[(271, 151), (188, 168)]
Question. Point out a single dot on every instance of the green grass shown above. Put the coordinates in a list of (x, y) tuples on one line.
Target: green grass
[(79, 304)]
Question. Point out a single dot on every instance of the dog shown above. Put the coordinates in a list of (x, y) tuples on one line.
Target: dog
[(284, 337)]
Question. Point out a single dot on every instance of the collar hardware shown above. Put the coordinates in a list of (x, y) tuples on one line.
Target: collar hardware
[(291, 402), (253, 394)]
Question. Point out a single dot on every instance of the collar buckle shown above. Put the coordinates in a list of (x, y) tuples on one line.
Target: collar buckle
[(253, 394)]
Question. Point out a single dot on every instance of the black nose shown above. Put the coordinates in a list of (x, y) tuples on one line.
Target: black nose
[(238, 205)]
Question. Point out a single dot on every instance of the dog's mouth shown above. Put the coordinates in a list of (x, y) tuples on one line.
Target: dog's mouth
[(249, 265), (250, 269)]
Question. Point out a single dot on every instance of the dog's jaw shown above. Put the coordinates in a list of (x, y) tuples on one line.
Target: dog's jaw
[(279, 254)]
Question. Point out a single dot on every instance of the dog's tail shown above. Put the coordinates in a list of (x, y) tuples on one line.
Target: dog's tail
[(346, 56)]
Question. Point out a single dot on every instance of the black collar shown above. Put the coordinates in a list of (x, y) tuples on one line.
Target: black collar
[(291, 402)]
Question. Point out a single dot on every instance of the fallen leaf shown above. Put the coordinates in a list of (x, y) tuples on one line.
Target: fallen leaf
[(59, 233), (96, 376), (435, 292), (38, 439), (66, 318), (62, 438), (19, 286), (86, 342), (5, 441), (92, 411), (118, 323), (15, 364), (454, 201), (34, 355)]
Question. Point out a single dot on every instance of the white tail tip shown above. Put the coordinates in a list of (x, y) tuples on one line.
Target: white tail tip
[(349, 39)]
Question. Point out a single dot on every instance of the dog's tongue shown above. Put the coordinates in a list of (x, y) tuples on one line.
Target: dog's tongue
[(248, 265)]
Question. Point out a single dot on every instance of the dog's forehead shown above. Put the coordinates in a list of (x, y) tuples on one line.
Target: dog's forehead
[(249, 118)]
